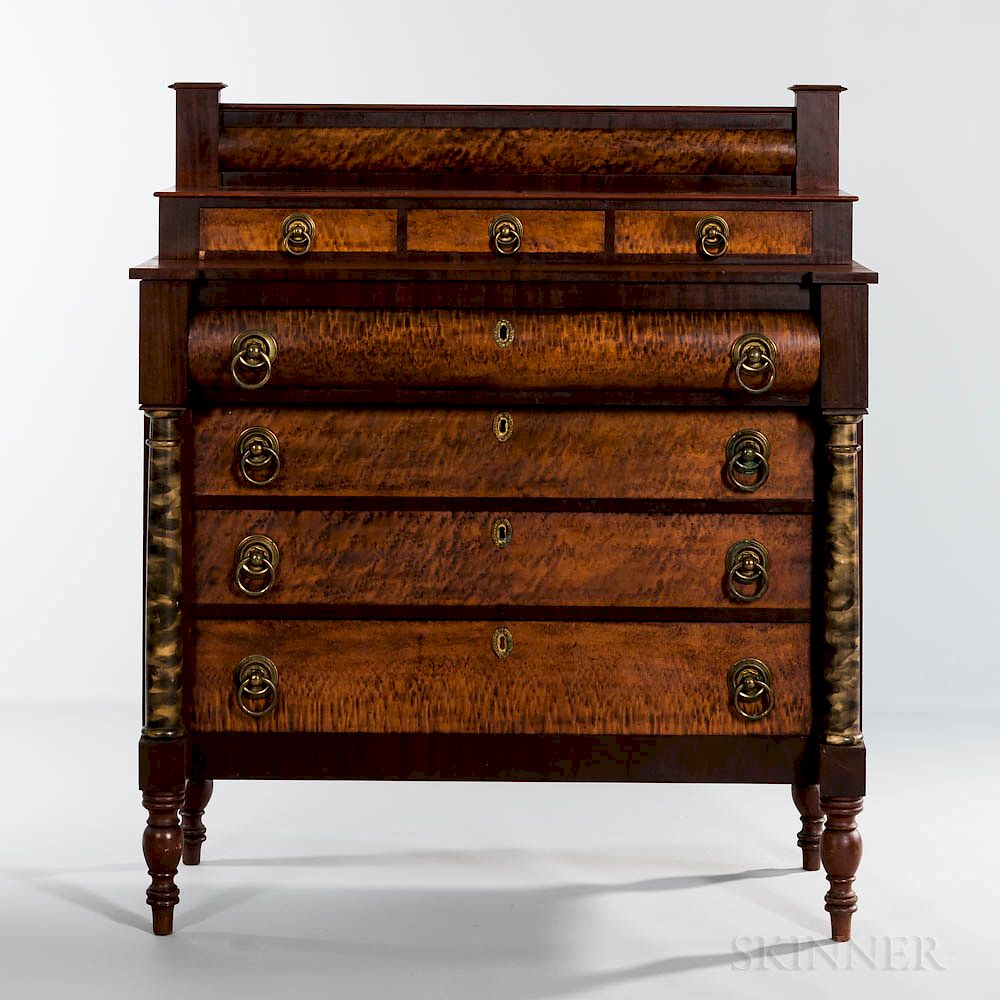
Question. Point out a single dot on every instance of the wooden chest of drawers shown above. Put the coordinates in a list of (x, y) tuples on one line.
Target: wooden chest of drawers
[(503, 443)]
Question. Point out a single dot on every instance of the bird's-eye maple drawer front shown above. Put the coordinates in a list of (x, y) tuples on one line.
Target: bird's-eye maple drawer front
[(268, 230), (500, 558), (511, 452), (735, 234), (549, 677), (239, 352)]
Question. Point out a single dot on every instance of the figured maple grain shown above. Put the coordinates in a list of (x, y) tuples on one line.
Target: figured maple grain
[(467, 231), (449, 558), (424, 452), (561, 677), (436, 348), (509, 150), (750, 233), (358, 230)]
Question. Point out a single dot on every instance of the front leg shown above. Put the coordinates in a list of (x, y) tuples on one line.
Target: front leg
[(161, 845), (840, 850)]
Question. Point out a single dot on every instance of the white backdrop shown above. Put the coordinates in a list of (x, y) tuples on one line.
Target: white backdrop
[(88, 135)]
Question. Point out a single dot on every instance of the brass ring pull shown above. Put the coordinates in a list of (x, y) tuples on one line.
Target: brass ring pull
[(256, 680), (503, 643), (506, 233), (711, 236), (747, 466), (750, 683), (297, 233), (502, 532), (257, 451), (748, 564), (253, 352), (256, 565), (754, 357)]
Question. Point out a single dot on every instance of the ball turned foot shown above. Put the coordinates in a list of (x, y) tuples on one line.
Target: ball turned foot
[(840, 851), (161, 846)]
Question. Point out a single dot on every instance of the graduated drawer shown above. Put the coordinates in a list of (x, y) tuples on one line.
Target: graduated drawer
[(495, 559), (359, 348), (556, 677), (511, 452)]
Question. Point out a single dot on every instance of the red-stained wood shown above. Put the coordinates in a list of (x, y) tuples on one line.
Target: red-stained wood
[(197, 134), (817, 137), (163, 327), (560, 677), (338, 557), (559, 453)]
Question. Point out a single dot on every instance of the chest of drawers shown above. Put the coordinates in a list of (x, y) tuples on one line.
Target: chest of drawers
[(503, 443)]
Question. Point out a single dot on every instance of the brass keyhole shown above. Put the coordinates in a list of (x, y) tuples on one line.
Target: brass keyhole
[(503, 643), (502, 532), (503, 333), (503, 426)]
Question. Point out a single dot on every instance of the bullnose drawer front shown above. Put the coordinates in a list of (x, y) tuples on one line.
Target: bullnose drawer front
[(504, 452), (240, 352), (499, 558), (547, 677), (298, 231)]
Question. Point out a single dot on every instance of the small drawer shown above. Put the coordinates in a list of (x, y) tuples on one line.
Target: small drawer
[(515, 452), (712, 234), (751, 354), (298, 232), (379, 558), (501, 677), (504, 233)]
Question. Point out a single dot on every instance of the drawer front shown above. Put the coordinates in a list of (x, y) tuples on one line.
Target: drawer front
[(471, 559), (260, 230), (557, 677), (354, 348), (750, 234), (516, 452), (469, 231)]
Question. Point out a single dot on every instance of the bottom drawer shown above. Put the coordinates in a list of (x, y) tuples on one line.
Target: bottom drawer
[(487, 677)]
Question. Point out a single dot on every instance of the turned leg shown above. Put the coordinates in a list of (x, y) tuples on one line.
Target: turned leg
[(161, 845), (840, 850), (196, 796), (806, 799)]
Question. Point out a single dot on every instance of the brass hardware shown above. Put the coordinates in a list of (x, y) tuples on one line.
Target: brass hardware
[(750, 683), (503, 425), (502, 532), (256, 680), (256, 565), (712, 236), (503, 332), (755, 356), (257, 451), (253, 350), (747, 454), (297, 233), (503, 643), (506, 232), (747, 565)]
